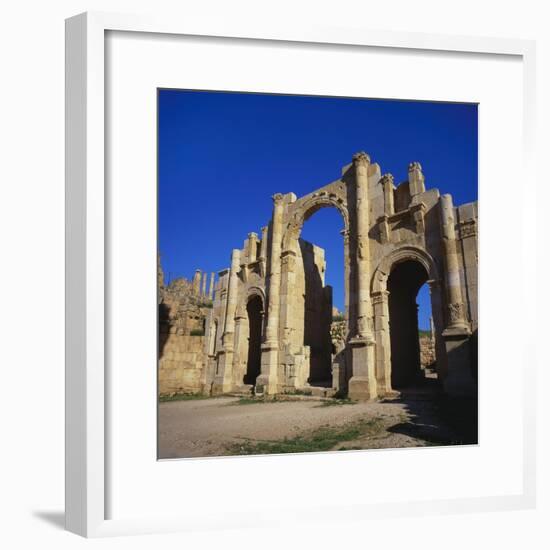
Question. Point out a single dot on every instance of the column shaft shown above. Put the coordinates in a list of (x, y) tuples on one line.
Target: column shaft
[(455, 305), (362, 385), (223, 382), (267, 381), (229, 325), (361, 162), (211, 290), (272, 329)]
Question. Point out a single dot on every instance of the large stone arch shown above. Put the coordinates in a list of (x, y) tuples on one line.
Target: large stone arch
[(295, 339)]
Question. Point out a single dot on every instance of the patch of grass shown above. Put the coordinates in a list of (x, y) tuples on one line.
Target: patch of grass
[(336, 402), (321, 439), (298, 392), (182, 397)]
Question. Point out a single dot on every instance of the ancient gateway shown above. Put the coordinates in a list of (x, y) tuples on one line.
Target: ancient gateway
[(270, 327)]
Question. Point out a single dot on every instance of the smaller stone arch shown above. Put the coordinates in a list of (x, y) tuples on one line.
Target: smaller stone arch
[(402, 254), (256, 291)]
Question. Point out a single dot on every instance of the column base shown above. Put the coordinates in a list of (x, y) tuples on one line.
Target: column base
[(266, 383), (223, 380), (459, 380), (360, 389), (362, 385)]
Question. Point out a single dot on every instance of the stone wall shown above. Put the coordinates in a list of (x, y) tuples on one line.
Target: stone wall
[(181, 363), (427, 352), (183, 308)]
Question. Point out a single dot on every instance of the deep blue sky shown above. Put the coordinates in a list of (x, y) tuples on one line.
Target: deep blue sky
[(223, 155)]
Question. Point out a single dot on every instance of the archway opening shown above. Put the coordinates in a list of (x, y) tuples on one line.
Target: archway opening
[(254, 309), (405, 280), (322, 251)]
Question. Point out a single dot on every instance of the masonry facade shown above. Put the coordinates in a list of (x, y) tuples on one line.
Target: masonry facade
[(271, 329)]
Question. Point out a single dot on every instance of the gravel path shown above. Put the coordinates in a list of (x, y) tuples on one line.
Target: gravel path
[(199, 428)]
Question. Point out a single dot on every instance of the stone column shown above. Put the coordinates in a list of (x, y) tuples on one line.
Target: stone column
[(252, 247), (197, 282), (345, 235), (240, 342), (263, 251), (416, 179), (211, 290), (383, 342), (455, 305), (223, 380), (387, 184), (458, 379), (362, 384), (267, 381), (204, 278), (263, 245)]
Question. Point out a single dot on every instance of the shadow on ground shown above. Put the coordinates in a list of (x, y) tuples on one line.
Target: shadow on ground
[(54, 518), (436, 418)]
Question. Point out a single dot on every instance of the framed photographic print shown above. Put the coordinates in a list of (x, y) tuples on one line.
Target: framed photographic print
[(282, 246)]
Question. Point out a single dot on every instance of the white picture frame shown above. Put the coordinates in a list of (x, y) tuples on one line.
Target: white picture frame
[(86, 476)]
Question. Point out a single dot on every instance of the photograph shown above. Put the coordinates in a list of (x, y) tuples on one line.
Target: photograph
[(317, 273)]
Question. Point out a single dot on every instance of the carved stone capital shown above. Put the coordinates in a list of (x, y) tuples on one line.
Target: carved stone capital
[(278, 198), (387, 179), (361, 157), (415, 166), (456, 313)]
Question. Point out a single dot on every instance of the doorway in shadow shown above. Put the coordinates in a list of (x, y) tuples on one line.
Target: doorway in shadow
[(405, 280), (254, 309)]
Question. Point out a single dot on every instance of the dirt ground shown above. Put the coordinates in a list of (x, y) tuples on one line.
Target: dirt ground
[(215, 426)]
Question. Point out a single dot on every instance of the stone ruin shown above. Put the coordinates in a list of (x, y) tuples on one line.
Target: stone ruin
[(271, 327), (183, 307)]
